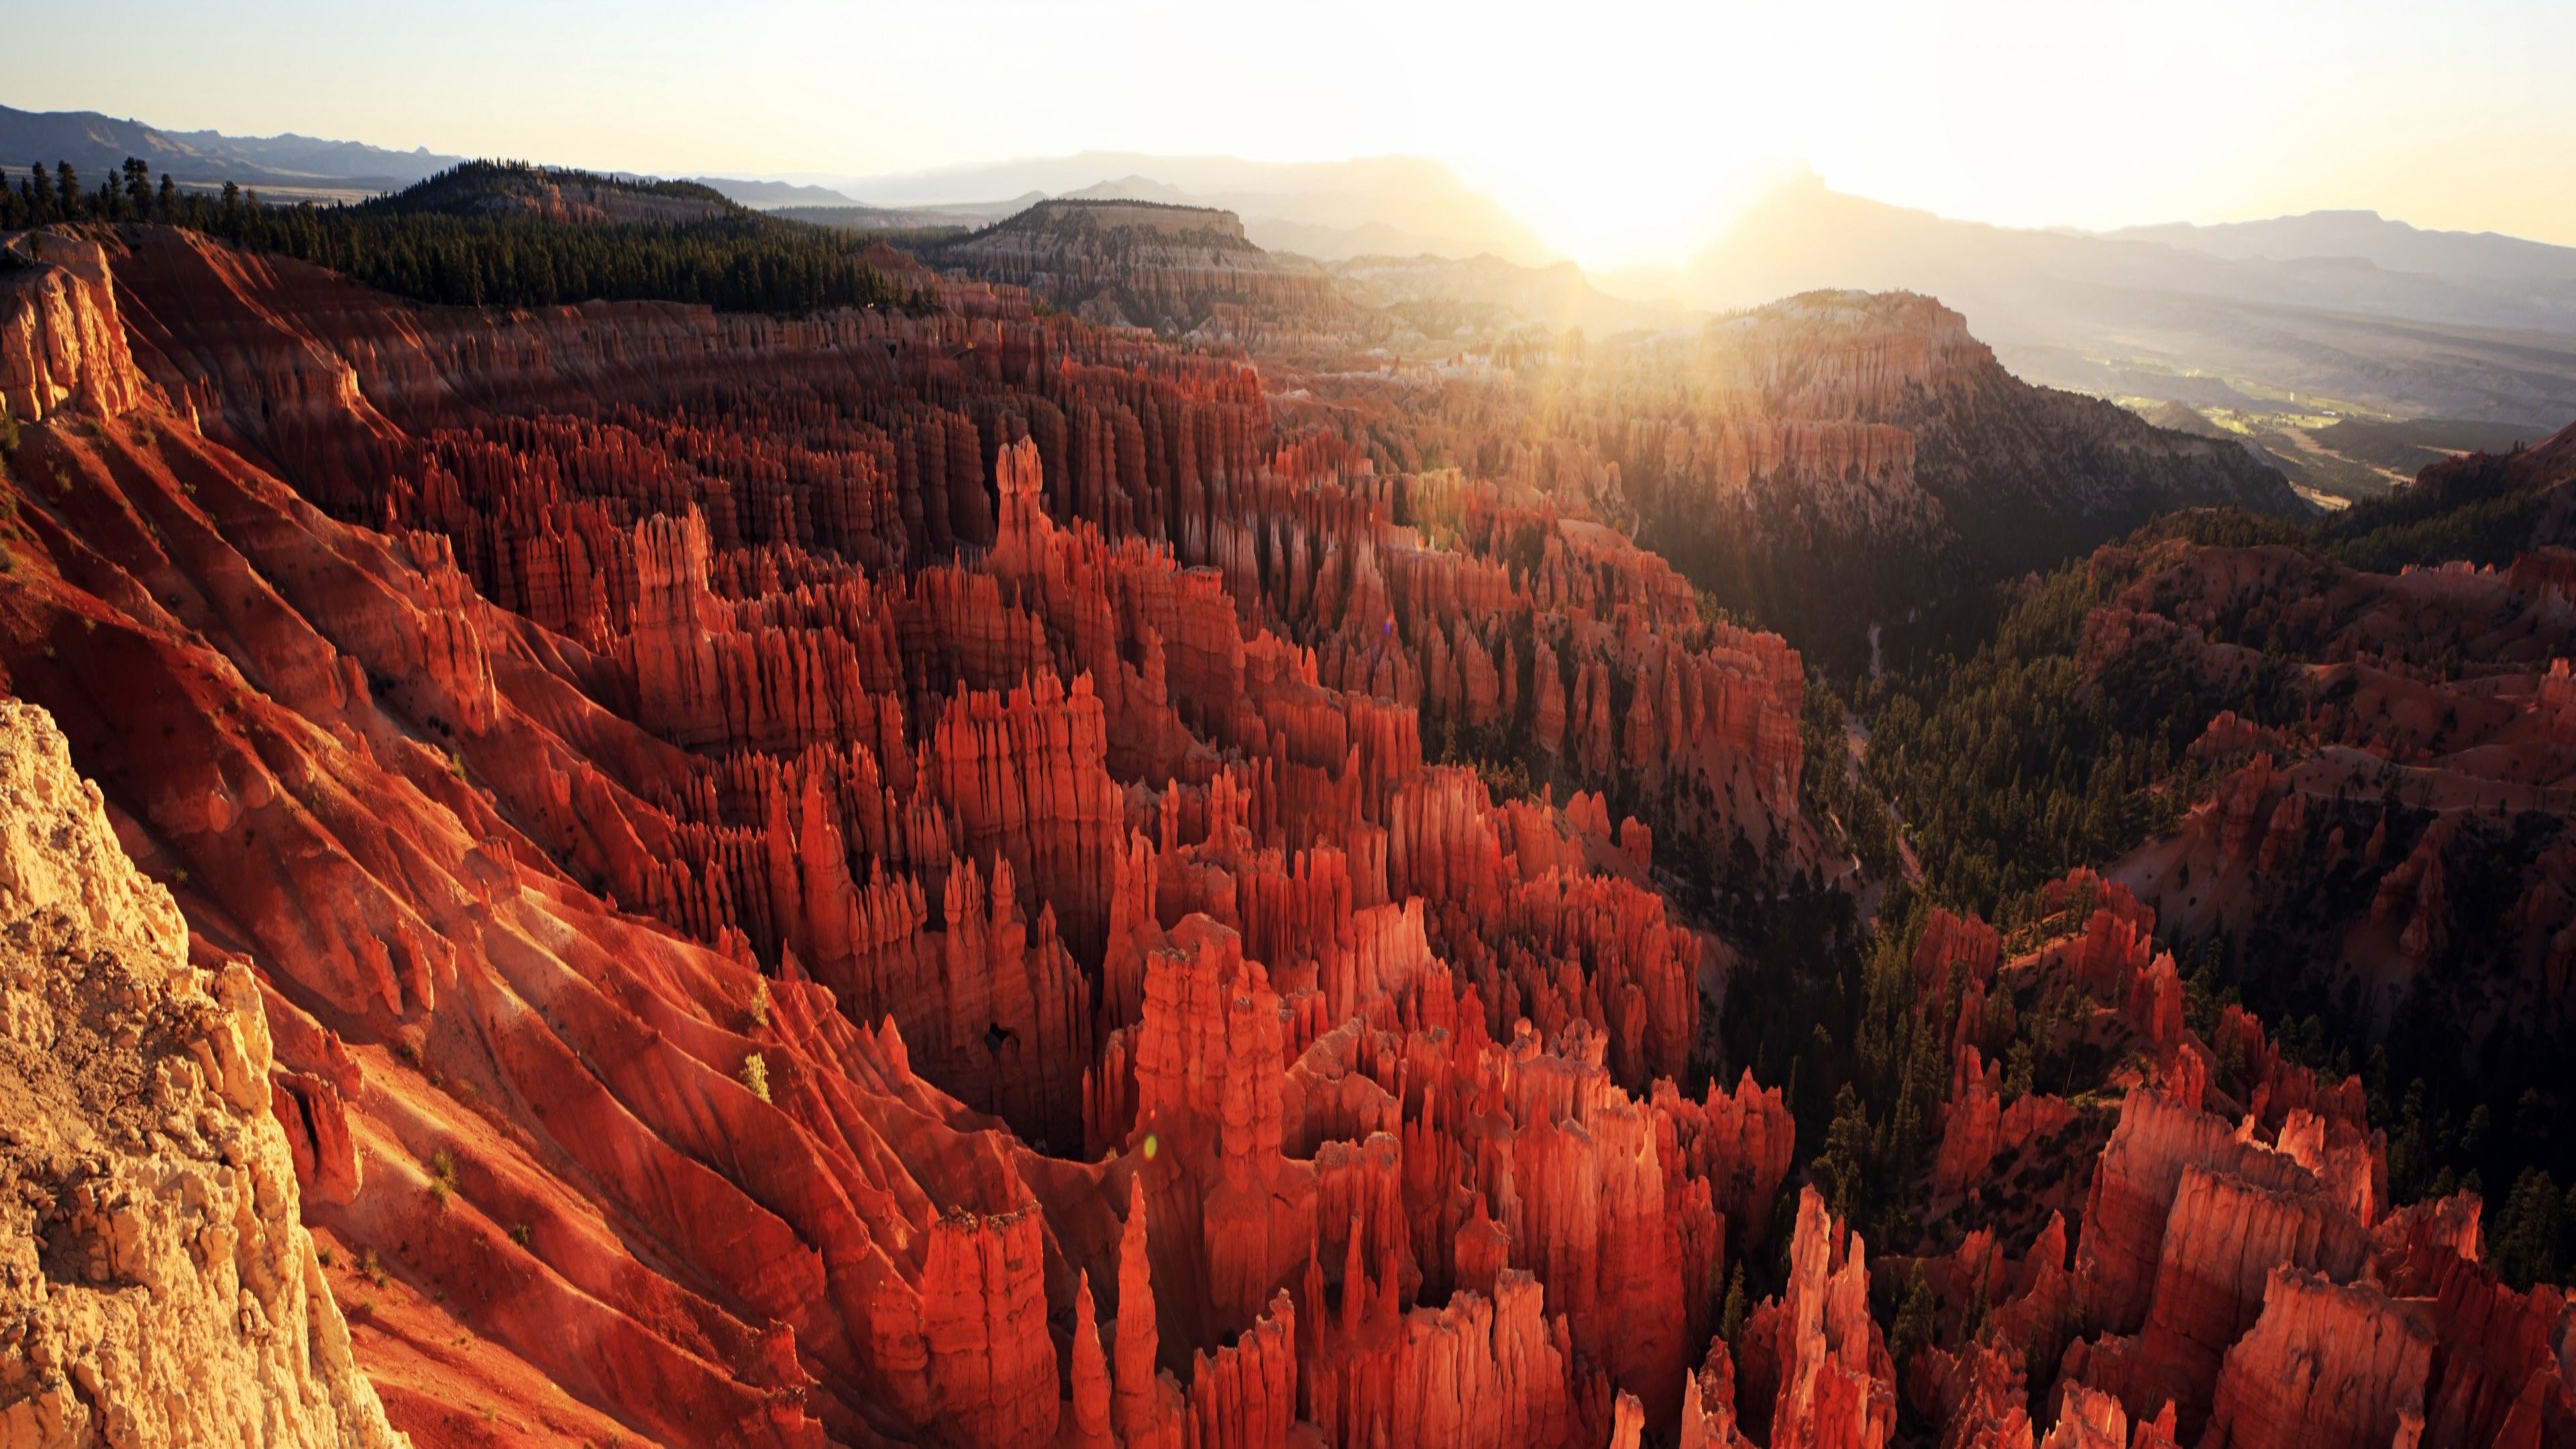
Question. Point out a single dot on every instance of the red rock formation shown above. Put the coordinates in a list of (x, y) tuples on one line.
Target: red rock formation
[(2499, 1369), (990, 1363), (2092, 1420), (2133, 1195), (2039, 1316), (1979, 1397), (1244, 1396), (2326, 1366), (1835, 1383), (1484, 1370), (2467, 748), (1742, 1141), (63, 345), (2186, 1223), (700, 846), (1708, 1405), (2239, 1278), (1087, 1412), (1147, 1409), (2224, 1234)]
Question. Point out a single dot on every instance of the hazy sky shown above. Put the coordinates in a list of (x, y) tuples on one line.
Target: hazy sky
[(1618, 131)]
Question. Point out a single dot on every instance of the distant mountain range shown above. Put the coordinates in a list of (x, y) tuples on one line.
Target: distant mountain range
[(963, 217), (768, 195), (2333, 312), (285, 166), (2391, 245)]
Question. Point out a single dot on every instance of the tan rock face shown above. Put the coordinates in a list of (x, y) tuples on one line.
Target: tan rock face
[(155, 1285)]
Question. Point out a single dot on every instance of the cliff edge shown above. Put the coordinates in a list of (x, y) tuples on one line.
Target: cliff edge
[(155, 1285)]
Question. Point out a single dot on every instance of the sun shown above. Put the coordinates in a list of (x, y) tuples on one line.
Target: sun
[(1606, 211)]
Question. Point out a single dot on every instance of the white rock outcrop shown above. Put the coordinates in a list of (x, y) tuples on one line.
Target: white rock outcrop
[(156, 1287)]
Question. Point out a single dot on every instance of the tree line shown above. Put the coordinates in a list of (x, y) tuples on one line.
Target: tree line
[(43, 198), (736, 261)]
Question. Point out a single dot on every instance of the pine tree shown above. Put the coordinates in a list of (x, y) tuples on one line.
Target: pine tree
[(1845, 1162), (2525, 1246), (1914, 1321)]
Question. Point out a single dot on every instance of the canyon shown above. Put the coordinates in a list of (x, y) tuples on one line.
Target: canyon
[(971, 874)]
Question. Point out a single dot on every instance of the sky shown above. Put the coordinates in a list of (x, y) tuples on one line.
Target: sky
[(1619, 132)]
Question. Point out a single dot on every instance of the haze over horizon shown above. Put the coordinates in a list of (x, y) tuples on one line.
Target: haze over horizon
[(1634, 137)]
